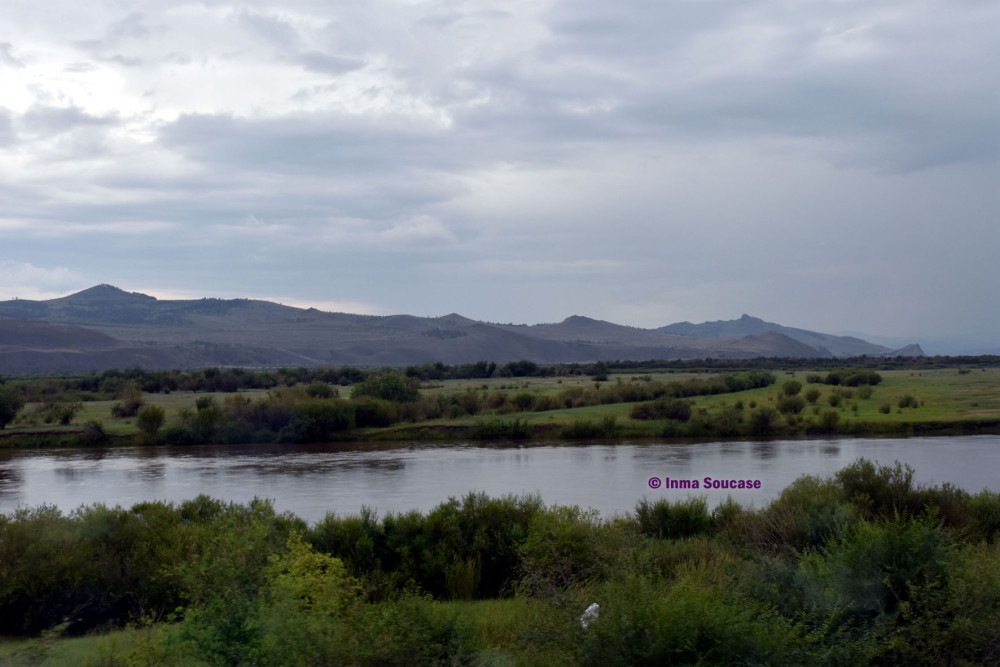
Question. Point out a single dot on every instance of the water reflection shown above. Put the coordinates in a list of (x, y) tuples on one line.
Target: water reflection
[(11, 479), (311, 480), (148, 472), (764, 450)]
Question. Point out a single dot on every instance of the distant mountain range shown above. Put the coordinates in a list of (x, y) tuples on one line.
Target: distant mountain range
[(106, 327), (837, 346)]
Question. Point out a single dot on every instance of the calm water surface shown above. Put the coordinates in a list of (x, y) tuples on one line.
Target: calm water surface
[(310, 480)]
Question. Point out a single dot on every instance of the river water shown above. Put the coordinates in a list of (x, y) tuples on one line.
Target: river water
[(310, 480)]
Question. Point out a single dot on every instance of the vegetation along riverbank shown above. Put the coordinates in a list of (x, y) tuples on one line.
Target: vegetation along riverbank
[(864, 567), (786, 398)]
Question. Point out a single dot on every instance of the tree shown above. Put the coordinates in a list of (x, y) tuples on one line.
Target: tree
[(130, 400), (150, 419), (11, 402)]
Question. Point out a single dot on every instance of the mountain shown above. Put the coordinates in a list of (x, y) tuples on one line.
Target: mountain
[(106, 327), (838, 346)]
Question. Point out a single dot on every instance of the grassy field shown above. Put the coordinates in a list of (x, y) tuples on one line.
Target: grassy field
[(940, 395), (903, 402)]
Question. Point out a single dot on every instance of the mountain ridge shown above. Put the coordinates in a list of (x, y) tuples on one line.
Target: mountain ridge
[(138, 329)]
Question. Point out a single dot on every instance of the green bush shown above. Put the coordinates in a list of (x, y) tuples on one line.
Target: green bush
[(488, 429), (791, 405), (374, 413), (663, 408), (566, 547), (791, 387), (149, 420), (763, 420), (11, 402), (685, 623), (672, 520), (388, 386), (317, 420)]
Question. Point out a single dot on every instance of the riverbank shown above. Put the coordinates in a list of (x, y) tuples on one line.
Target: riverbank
[(862, 567)]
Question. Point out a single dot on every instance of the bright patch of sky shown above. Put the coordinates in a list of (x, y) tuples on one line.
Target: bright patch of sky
[(831, 165)]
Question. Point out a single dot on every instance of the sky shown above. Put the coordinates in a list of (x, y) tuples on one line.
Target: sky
[(826, 164)]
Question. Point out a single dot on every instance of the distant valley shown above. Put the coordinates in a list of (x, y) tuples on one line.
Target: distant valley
[(105, 327)]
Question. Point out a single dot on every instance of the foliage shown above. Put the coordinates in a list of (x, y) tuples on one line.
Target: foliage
[(498, 428), (863, 567), (663, 519), (129, 400), (791, 387), (11, 402), (150, 419), (388, 386)]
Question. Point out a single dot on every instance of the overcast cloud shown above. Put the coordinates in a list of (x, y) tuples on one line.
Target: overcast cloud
[(825, 164)]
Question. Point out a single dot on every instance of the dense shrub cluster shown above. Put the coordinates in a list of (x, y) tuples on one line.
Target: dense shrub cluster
[(860, 568), (848, 377)]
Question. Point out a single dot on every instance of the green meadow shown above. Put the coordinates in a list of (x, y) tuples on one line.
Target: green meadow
[(620, 404)]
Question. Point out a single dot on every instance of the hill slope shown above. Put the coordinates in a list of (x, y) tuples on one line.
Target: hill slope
[(838, 346), (105, 327)]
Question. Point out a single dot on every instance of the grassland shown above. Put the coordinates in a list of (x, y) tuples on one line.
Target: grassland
[(906, 401)]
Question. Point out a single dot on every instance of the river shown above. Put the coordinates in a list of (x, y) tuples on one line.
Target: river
[(310, 480)]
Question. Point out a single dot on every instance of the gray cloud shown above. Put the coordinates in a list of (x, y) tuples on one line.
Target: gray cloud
[(49, 120), (327, 64), (277, 32), (7, 57), (644, 162), (7, 134)]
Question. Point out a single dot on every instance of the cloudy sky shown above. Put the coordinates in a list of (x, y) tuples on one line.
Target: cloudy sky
[(829, 164)]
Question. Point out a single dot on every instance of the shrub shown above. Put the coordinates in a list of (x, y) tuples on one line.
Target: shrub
[(663, 408), (320, 389), (863, 376), (828, 420), (664, 519), (687, 623), (763, 420), (885, 408), (728, 421), (812, 394), (11, 402), (523, 401), (581, 429), (93, 434), (791, 405), (129, 400), (390, 387), (791, 387), (149, 420), (882, 490), (374, 413), (317, 419), (878, 565), (486, 429), (907, 401), (564, 547)]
